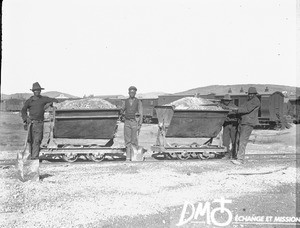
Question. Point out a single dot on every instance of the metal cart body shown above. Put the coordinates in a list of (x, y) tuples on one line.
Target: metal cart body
[(89, 132), (176, 123)]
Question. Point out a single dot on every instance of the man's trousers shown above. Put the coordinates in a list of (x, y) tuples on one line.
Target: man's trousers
[(130, 135), (245, 132), (35, 138), (230, 135)]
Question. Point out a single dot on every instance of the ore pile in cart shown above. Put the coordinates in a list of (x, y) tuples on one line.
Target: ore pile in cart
[(83, 132), (181, 123)]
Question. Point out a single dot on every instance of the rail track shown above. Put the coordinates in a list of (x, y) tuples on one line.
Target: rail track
[(284, 157)]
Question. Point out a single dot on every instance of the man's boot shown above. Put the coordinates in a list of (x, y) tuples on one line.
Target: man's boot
[(227, 154)]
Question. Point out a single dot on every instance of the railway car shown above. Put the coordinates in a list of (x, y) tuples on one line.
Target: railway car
[(293, 108), (149, 113), (271, 111), (14, 105)]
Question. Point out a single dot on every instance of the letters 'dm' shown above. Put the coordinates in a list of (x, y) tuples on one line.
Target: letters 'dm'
[(201, 211)]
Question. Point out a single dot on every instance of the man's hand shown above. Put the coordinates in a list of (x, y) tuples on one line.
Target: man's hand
[(25, 126)]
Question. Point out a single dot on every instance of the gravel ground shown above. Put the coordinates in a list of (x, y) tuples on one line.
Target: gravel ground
[(78, 195)]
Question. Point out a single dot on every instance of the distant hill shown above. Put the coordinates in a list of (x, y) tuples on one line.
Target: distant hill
[(150, 95), (56, 94), (27, 95), (110, 96), (223, 89)]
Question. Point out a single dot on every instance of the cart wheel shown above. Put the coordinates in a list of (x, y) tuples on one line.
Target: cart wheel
[(168, 156), (193, 155), (97, 157), (172, 156), (203, 156), (70, 157), (183, 156)]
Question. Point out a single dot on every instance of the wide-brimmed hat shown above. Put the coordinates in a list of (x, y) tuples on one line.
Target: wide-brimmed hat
[(226, 98), (132, 88), (252, 90), (36, 86)]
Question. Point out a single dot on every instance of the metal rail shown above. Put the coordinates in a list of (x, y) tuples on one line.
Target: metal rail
[(249, 157), (80, 150), (86, 117)]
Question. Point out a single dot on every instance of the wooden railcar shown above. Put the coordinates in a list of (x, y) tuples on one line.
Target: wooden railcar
[(14, 105), (293, 108)]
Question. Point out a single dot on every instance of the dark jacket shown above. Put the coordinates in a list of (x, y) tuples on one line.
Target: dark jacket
[(249, 112), (36, 105)]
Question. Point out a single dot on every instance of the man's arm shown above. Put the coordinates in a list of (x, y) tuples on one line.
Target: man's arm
[(122, 113), (49, 102), (249, 106), (24, 111), (141, 113)]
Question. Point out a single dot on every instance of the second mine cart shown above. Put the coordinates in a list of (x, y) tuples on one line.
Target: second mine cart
[(180, 125)]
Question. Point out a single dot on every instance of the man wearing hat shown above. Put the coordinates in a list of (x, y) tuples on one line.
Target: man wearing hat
[(229, 127), (33, 123), (249, 118), (133, 112)]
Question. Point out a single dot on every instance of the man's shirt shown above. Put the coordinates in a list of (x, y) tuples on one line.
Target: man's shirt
[(35, 105)]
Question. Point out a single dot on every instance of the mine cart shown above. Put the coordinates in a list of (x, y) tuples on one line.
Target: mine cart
[(87, 132), (183, 124)]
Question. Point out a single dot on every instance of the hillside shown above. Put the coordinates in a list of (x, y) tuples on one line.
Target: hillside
[(218, 89), (60, 94), (223, 89), (27, 95), (150, 95)]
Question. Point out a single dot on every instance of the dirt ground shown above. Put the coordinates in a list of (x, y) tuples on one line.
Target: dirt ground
[(152, 193)]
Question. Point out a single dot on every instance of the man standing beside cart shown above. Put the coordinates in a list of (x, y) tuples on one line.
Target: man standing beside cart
[(229, 127), (249, 118), (34, 123), (133, 113)]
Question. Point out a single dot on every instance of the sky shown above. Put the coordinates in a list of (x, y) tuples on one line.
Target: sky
[(103, 47)]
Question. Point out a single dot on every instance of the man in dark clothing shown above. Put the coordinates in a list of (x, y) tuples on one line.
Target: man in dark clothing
[(229, 127), (34, 122), (249, 118), (133, 112)]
